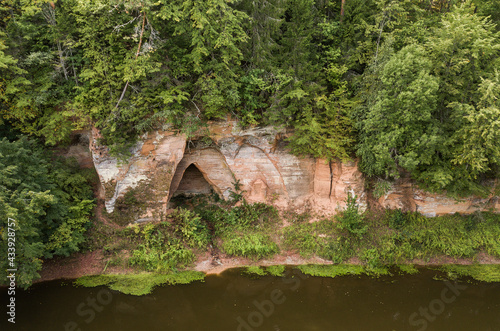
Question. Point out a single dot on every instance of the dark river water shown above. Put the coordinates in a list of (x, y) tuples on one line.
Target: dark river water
[(235, 301)]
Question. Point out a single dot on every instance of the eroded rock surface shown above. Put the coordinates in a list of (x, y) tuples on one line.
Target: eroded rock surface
[(257, 159)]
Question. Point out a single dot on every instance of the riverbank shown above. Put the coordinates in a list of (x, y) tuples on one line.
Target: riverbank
[(93, 263), (212, 238)]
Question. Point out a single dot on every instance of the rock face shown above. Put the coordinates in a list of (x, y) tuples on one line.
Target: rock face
[(163, 165), (405, 195)]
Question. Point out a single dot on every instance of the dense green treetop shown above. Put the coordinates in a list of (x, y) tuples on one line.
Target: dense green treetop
[(50, 202), (403, 85)]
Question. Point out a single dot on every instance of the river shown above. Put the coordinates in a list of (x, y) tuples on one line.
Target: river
[(237, 301)]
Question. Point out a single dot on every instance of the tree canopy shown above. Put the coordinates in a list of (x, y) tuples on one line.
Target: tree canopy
[(404, 85), (50, 201)]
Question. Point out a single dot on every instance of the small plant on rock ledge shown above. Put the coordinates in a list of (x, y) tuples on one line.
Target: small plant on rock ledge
[(237, 194), (381, 188), (350, 219)]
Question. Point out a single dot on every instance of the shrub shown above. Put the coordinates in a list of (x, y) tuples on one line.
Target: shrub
[(350, 219), (302, 238), (254, 245), (338, 250), (161, 260), (160, 250), (372, 258), (381, 187), (189, 227), (397, 219)]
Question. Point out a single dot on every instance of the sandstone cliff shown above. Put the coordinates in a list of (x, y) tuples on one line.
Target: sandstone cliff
[(163, 164)]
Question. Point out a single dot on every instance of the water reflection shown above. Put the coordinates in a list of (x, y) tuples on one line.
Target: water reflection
[(235, 301)]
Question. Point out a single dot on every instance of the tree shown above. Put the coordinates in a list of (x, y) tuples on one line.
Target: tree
[(431, 109), (399, 129), (50, 202)]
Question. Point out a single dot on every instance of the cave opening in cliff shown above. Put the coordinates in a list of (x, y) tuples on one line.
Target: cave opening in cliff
[(193, 183)]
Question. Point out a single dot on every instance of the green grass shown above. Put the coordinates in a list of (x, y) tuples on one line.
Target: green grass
[(139, 284)]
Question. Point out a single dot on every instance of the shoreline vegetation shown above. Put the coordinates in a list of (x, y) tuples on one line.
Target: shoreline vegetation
[(205, 235)]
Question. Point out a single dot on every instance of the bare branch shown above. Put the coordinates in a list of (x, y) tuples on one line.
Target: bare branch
[(118, 27), (136, 55)]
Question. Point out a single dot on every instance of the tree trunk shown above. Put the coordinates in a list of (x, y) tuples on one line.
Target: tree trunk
[(342, 10), (61, 59)]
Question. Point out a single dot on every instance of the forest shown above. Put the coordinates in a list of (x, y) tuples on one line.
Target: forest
[(401, 85)]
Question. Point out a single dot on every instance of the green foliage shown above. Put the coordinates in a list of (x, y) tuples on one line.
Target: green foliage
[(339, 249), (426, 109), (255, 270), (381, 188), (189, 226), (350, 219), (258, 216), (398, 127), (254, 245), (302, 239), (372, 258), (480, 272), (237, 194), (331, 271), (309, 238), (325, 132), (160, 250), (397, 219), (139, 284), (407, 85), (396, 237), (171, 257), (276, 270), (408, 269), (403, 84), (49, 200)]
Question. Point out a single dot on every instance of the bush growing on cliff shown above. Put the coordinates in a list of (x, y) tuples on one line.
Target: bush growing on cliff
[(339, 249), (350, 219), (397, 219), (396, 237), (428, 237)]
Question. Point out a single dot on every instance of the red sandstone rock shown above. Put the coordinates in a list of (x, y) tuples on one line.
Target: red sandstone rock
[(266, 172)]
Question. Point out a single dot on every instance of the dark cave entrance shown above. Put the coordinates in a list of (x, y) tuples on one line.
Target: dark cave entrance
[(193, 183)]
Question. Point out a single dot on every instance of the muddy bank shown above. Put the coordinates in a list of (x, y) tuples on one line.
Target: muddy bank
[(94, 263)]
